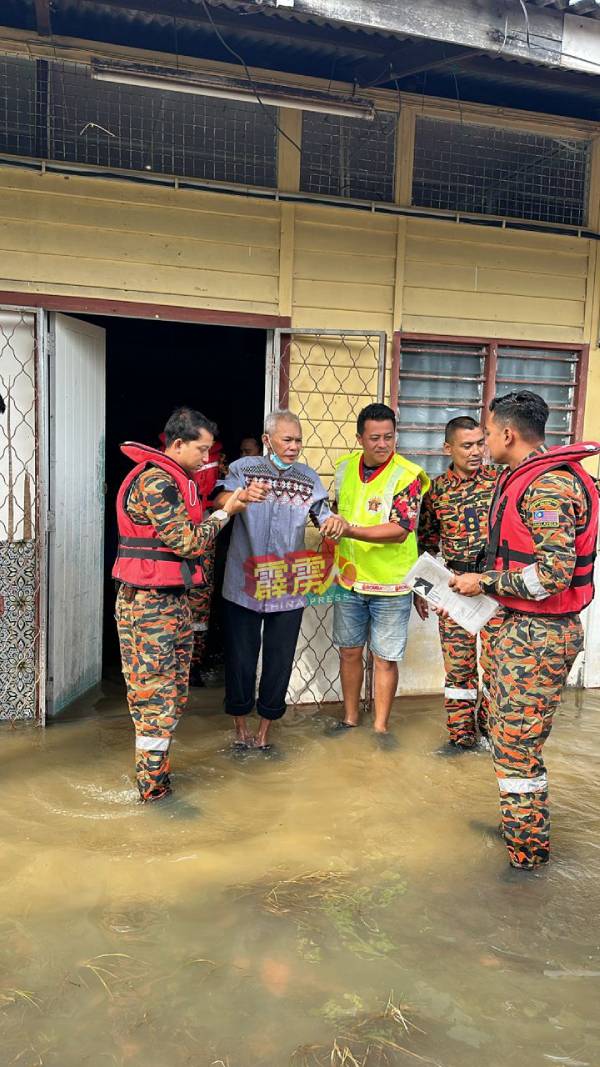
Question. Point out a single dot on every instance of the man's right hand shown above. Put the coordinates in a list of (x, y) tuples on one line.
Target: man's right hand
[(421, 607), (234, 503)]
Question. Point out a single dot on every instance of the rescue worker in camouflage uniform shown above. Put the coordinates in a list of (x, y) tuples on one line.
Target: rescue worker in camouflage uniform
[(453, 521), (543, 528), (161, 534)]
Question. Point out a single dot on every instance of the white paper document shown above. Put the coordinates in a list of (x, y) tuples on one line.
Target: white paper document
[(429, 578)]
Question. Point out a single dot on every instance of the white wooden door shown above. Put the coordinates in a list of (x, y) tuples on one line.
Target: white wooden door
[(76, 501)]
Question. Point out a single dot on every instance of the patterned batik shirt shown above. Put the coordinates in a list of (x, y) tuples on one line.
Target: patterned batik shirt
[(268, 531), (553, 508), (454, 515), (154, 499)]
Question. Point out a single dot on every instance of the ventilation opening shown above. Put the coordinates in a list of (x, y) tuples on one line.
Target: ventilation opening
[(348, 157), (493, 171), (55, 110)]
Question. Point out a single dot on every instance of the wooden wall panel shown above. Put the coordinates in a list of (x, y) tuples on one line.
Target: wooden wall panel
[(98, 239), (488, 282)]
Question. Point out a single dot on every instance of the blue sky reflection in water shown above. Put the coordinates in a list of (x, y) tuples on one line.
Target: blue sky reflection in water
[(275, 907)]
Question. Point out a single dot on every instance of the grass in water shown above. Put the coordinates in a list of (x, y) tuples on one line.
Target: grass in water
[(111, 970), (371, 1039), (13, 996), (322, 903)]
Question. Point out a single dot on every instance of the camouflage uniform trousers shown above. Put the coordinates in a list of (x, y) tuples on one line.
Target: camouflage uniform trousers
[(156, 638), (200, 598), (533, 655), (461, 685)]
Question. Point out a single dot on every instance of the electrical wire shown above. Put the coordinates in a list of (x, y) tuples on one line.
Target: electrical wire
[(240, 59)]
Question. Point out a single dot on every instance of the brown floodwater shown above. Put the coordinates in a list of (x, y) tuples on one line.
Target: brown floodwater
[(339, 905)]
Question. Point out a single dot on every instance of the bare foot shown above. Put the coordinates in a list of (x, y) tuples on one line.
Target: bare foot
[(261, 739), (242, 737)]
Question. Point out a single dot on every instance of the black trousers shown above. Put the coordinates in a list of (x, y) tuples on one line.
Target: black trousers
[(243, 628)]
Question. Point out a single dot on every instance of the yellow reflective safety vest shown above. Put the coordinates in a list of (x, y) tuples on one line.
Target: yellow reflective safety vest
[(380, 569)]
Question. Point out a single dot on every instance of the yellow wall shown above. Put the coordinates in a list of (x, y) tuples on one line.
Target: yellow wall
[(109, 239), (470, 280), (328, 267)]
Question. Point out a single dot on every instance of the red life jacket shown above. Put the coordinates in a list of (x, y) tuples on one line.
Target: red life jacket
[(143, 560), (208, 475), (510, 542)]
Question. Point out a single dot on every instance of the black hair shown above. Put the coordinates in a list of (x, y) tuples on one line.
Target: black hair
[(461, 422), (187, 424), (526, 412), (376, 412)]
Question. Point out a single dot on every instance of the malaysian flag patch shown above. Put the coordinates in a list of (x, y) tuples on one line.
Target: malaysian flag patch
[(546, 517)]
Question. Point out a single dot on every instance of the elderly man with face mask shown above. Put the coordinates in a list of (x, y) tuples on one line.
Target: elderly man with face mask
[(259, 607)]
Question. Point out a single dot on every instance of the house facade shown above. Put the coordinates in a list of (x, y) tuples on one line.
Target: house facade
[(377, 242)]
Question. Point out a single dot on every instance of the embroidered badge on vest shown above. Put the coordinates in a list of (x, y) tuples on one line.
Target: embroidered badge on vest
[(375, 503)]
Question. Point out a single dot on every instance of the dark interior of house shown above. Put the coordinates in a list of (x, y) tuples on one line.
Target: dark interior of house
[(154, 367)]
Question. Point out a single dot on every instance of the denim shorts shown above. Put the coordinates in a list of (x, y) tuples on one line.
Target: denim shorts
[(382, 620)]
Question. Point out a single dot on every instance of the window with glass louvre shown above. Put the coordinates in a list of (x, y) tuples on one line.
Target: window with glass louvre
[(438, 379)]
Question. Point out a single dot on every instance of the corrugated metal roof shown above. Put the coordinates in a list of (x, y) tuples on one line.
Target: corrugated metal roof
[(572, 7), (287, 41)]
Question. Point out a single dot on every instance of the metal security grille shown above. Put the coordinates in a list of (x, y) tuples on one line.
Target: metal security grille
[(17, 106), (325, 377), (494, 171), (437, 382), (56, 110), (19, 571), (348, 157)]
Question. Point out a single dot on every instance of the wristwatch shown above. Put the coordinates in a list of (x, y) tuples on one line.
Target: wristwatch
[(222, 515)]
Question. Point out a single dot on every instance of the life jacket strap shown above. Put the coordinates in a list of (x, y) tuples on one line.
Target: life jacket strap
[(151, 548), (156, 552)]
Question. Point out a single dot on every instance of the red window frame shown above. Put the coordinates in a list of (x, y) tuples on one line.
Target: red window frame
[(491, 346)]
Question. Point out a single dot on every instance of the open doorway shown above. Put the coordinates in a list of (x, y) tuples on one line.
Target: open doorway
[(152, 368)]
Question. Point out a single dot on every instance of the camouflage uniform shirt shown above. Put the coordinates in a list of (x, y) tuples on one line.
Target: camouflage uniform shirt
[(454, 515), (155, 499), (553, 508)]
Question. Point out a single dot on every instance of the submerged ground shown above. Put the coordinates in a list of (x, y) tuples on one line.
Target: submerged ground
[(340, 905)]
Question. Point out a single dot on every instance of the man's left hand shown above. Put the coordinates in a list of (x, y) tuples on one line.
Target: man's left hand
[(467, 584), (334, 527)]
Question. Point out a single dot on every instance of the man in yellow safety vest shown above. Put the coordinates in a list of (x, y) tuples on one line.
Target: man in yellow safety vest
[(378, 495)]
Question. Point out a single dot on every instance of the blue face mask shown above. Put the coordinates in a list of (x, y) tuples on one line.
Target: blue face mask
[(277, 462)]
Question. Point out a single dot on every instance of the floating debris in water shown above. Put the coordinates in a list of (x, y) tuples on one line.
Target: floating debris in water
[(371, 1039)]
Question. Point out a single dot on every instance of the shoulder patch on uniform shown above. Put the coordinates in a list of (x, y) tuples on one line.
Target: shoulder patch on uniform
[(546, 513)]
